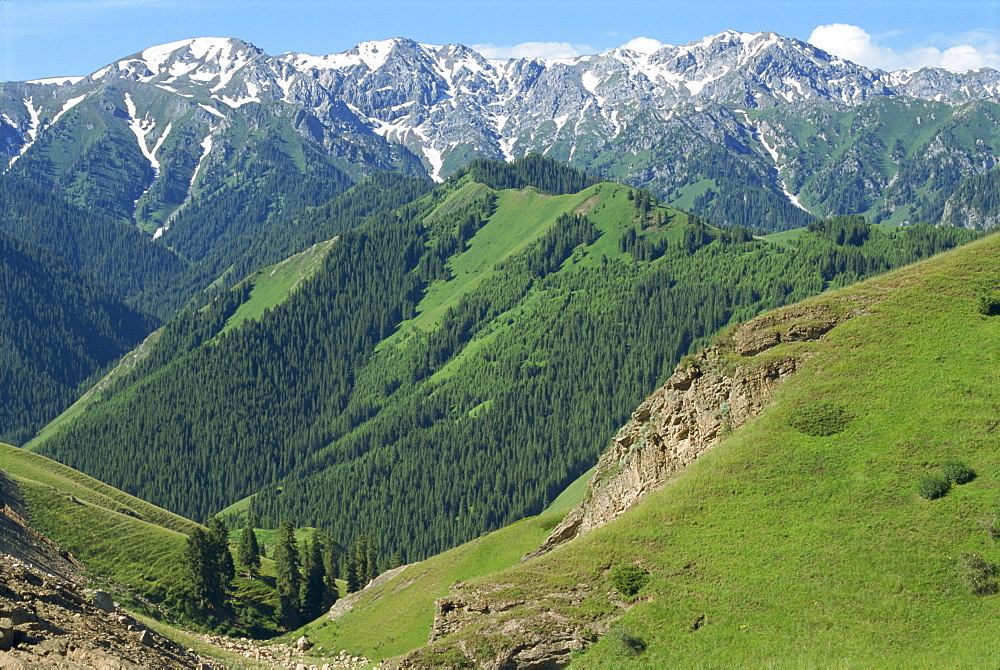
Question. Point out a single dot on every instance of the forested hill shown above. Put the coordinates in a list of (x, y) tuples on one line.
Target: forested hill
[(453, 364), (57, 328)]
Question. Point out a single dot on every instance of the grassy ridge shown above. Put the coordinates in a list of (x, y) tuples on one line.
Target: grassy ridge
[(801, 550), (272, 285), (125, 541)]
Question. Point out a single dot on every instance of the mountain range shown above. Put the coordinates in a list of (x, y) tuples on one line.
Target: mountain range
[(748, 128)]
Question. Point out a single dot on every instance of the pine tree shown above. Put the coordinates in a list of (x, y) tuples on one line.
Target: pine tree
[(287, 576), (371, 559), (199, 567), (331, 569), (352, 569), (210, 565), (248, 552), (313, 580), (225, 569)]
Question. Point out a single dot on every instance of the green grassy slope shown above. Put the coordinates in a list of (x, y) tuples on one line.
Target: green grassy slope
[(272, 285), (124, 542), (396, 617), (118, 536), (804, 551)]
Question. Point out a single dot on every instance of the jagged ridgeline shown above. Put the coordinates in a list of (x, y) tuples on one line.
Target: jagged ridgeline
[(450, 366), (57, 328)]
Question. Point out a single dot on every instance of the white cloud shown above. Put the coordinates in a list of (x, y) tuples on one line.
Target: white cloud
[(963, 52), (644, 45), (533, 50)]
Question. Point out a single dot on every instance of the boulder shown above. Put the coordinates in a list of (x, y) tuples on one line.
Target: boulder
[(102, 601)]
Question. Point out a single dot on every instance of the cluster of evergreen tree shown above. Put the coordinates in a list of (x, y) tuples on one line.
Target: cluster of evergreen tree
[(424, 440), (114, 253), (210, 563), (57, 329), (305, 578), (540, 172)]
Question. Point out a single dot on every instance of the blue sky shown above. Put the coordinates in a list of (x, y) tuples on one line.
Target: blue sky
[(42, 38)]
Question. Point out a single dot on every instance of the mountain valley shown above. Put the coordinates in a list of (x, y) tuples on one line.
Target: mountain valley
[(632, 359)]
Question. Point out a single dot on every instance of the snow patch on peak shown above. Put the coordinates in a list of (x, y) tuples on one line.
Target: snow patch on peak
[(375, 53), (435, 159), (200, 48), (58, 81), (372, 55), (35, 114), (141, 128)]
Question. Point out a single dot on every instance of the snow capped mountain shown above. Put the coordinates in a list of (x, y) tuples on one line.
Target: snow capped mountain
[(644, 118)]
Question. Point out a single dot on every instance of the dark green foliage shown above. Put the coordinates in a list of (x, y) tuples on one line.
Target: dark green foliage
[(351, 573), (741, 196), (331, 568), (223, 557), (57, 328), (978, 574), (114, 253), (988, 297), (544, 174), (248, 552), (362, 563), (933, 486), (313, 590), (288, 578), (842, 230), (628, 579), (957, 472), (209, 563), (819, 419)]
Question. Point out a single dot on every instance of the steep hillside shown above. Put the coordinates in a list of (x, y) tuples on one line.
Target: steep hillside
[(457, 356), (57, 328), (802, 535)]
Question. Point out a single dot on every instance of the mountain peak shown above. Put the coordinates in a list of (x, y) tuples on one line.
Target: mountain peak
[(222, 55)]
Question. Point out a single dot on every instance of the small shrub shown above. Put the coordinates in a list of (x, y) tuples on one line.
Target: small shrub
[(819, 419), (933, 486), (625, 641), (978, 574), (628, 579), (991, 524), (957, 472), (988, 295)]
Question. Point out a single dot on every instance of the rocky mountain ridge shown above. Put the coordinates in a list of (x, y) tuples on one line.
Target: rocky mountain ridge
[(182, 117)]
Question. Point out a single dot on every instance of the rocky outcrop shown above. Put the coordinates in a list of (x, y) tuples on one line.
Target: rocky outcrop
[(708, 395), (509, 633), (370, 592), (49, 622)]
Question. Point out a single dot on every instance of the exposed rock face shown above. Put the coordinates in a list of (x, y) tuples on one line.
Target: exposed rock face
[(709, 394)]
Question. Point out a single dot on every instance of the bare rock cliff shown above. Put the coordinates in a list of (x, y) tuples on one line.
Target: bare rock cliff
[(709, 394)]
